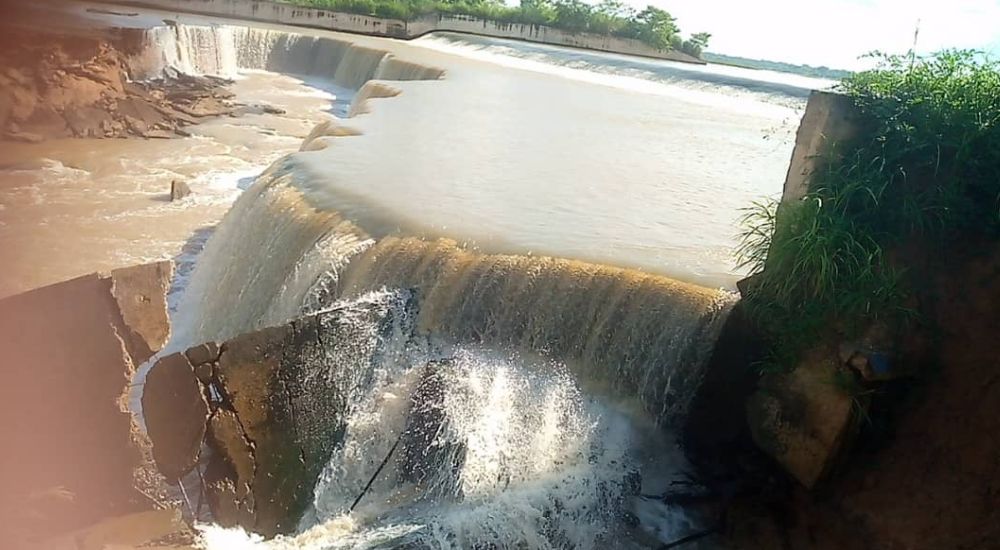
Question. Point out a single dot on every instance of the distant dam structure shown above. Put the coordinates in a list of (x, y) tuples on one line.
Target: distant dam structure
[(319, 18)]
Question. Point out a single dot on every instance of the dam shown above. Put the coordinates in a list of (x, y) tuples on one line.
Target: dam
[(564, 224)]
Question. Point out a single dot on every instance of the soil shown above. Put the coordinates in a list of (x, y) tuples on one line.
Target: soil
[(56, 84)]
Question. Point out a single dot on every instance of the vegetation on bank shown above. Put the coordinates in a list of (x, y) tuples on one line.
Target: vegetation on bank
[(923, 171), (652, 25)]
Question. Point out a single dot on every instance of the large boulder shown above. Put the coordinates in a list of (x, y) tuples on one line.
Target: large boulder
[(71, 453), (276, 400)]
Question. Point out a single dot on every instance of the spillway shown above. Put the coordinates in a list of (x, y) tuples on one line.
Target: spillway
[(560, 376)]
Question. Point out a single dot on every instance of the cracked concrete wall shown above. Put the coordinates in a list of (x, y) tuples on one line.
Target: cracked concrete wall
[(274, 409), (71, 453)]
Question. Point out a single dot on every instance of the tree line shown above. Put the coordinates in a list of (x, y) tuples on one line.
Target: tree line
[(653, 26)]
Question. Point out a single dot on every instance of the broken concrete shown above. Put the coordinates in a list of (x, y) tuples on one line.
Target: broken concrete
[(175, 411), (277, 399), (72, 454), (802, 418)]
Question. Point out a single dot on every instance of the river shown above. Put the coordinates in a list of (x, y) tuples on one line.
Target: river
[(568, 219)]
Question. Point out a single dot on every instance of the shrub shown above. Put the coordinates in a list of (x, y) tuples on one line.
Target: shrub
[(924, 168)]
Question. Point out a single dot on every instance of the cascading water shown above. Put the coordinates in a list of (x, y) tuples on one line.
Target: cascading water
[(536, 423), (640, 335), (224, 50), (550, 368), (188, 50)]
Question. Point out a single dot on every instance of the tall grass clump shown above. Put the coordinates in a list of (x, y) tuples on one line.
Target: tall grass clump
[(924, 170)]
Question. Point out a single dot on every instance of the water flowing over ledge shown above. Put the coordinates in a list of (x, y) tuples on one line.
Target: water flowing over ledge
[(224, 50), (553, 367)]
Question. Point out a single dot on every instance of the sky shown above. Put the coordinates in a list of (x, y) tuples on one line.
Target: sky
[(836, 32)]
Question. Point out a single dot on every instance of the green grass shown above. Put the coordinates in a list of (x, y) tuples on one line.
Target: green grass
[(924, 169)]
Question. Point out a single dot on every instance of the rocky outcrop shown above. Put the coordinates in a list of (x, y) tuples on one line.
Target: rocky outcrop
[(268, 407), (56, 85), (71, 453)]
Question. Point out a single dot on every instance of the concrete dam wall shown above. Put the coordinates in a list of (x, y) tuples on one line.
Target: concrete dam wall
[(274, 12)]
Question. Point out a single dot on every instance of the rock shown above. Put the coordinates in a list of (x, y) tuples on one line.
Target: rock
[(140, 294), (88, 121), (802, 418), (716, 432), (229, 480), (176, 412), (203, 353), (159, 134), (178, 190), (277, 399), (69, 351), (135, 125), (873, 355), (748, 285), (205, 372)]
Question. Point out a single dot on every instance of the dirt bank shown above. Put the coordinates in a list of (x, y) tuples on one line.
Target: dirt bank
[(924, 471), (73, 83)]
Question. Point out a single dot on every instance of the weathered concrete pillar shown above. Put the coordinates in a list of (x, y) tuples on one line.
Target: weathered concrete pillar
[(830, 118), (71, 453)]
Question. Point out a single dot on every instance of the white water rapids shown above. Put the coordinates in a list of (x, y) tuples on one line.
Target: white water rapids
[(467, 170)]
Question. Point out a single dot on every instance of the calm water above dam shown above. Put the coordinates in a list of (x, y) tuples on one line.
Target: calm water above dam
[(521, 148), (523, 151)]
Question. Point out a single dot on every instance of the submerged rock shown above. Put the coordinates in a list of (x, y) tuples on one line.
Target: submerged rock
[(71, 453), (276, 401), (179, 190)]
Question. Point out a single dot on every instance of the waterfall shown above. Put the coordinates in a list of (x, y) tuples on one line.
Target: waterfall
[(640, 335), (525, 406), (186, 49), (223, 50), (276, 255), (270, 251)]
